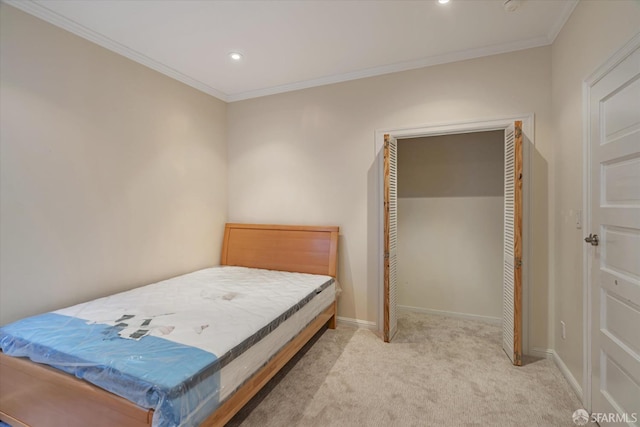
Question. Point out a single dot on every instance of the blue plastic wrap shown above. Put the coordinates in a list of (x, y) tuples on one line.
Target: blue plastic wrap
[(151, 372)]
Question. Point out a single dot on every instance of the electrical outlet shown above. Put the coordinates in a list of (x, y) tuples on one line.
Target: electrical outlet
[(564, 330)]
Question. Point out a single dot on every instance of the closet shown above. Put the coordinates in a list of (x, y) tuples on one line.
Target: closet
[(450, 224)]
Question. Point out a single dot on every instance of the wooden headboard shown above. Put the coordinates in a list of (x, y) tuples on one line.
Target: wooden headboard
[(302, 249)]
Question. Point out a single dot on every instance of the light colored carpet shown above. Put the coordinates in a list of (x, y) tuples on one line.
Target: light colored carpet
[(438, 371)]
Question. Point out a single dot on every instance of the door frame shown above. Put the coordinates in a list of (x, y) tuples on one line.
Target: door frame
[(459, 127), (587, 84)]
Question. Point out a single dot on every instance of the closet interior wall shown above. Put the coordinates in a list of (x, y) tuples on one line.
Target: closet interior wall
[(450, 224)]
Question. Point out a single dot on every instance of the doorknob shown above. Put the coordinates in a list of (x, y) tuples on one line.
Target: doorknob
[(593, 239)]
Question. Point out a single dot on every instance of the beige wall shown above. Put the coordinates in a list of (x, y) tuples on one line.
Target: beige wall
[(308, 156), (111, 175), (460, 165), (450, 254), (450, 223), (594, 32)]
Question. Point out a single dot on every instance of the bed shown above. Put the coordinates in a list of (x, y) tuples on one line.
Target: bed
[(277, 285)]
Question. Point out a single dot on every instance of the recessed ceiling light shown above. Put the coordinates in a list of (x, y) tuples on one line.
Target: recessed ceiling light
[(236, 56), (443, 1)]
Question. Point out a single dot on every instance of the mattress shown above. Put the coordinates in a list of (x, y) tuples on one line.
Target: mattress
[(180, 346)]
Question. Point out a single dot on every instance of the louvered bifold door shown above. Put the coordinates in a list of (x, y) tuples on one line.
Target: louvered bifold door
[(390, 237), (512, 279)]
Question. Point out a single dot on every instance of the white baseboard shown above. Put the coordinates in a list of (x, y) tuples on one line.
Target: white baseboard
[(489, 319), (575, 385), (357, 323), (543, 353)]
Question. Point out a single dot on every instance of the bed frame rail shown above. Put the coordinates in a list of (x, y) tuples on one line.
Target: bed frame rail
[(37, 395)]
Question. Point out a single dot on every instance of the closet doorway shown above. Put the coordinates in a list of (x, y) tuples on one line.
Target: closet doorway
[(514, 234), (450, 224)]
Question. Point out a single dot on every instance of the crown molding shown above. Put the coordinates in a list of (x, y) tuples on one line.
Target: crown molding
[(46, 14), (393, 68)]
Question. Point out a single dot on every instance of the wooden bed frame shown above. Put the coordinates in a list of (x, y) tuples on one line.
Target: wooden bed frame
[(35, 395)]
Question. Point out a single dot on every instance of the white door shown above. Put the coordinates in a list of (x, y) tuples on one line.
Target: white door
[(390, 237), (512, 271), (614, 242)]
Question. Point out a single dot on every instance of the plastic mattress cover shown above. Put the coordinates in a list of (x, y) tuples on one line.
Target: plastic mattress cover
[(162, 346)]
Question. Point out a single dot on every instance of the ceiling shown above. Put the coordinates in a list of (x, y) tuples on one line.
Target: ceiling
[(289, 45)]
